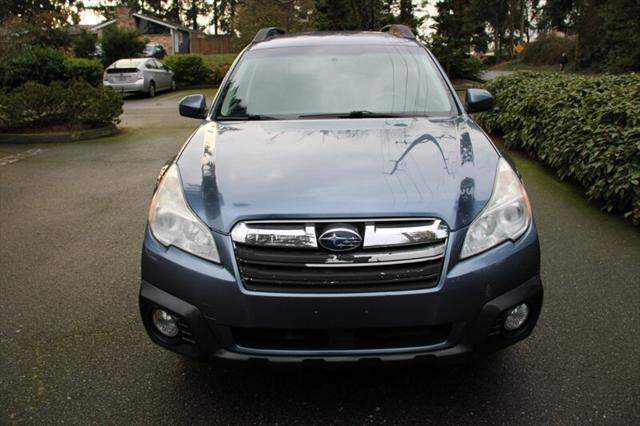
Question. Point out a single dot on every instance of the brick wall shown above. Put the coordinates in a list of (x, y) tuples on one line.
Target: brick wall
[(124, 18), (163, 39)]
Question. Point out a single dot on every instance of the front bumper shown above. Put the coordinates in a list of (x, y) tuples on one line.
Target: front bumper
[(467, 305)]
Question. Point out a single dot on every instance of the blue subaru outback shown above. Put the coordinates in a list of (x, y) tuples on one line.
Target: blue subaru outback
[(339, 203)]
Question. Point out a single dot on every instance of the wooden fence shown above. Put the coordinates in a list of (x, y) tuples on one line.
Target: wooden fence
[(205, 44)]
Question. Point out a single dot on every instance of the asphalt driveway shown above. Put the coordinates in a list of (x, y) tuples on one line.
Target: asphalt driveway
[(72, 348)]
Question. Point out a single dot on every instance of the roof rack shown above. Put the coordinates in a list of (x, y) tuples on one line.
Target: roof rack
[(398, 30), (266, 33)]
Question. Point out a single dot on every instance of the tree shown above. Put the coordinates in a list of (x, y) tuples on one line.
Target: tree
[(119, 43), (458, 31), (608, 35), (608, 31), (84, 44), (367, 15), (27, 9), (290, 15)]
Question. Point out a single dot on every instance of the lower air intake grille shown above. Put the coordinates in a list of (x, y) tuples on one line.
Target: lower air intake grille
[(337, 339)]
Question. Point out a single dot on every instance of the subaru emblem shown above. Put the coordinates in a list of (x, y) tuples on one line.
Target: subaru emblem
[(340, 237)]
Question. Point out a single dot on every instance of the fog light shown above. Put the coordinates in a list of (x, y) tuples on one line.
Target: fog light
[(165, 323), (516, 317)]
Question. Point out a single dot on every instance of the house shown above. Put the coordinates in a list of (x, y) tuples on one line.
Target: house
[(175, 38)]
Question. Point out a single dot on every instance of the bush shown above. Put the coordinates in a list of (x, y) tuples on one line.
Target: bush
[(84, 44), (585, 128), (546, 50), (119, 44), (218, 71), (41, 65), (89, 70), (73, 105), (489, 60), (190, 69)]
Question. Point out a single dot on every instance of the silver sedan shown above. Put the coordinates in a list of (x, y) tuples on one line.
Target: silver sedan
[(147, 75)]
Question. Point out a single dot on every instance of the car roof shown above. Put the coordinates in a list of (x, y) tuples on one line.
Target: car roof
[(131, 62), (332, 38)]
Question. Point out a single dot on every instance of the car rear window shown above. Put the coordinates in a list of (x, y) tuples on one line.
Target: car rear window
[(121, 70), (307, 80)]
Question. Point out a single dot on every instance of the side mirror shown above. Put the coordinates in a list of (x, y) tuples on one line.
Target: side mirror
[(193, 106), (477, 100)]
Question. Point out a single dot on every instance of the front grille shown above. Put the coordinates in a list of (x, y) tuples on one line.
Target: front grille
[(340, 339), (401, 266)]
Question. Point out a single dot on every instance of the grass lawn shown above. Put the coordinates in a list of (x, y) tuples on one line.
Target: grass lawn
[(220, 58)]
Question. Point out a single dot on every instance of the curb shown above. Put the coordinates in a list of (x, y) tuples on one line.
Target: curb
[(58, 137)]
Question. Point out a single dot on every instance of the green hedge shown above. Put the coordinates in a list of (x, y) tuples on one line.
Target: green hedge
[(44, 65), (190, 69), (586, 128), (41, 64), (74, 104), (89, 70)]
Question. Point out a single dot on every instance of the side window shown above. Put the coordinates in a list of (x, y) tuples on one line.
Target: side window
[(151, 65), (158, 64)]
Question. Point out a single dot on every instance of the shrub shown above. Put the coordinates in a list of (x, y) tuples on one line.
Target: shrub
[(546, 50), (218, 71), (89, 70), (84, 44), (489, 60), (119, 44), (586, 128), (41, 65), (73, 105), (190, 69)]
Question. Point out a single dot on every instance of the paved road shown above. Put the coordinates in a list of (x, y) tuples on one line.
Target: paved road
[(72, 348)]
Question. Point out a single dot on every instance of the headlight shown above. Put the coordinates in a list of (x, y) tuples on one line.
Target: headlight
[(174, 224), (506, 216), (139, 75)]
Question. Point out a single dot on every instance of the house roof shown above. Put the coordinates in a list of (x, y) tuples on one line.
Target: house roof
[(146, 18), (102, 25), (161, 22)]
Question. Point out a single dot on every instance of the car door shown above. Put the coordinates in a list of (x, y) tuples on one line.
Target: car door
[(152, 73), (165, 73)]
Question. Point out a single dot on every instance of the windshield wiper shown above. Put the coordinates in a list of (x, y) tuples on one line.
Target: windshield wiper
[(244, 117), (354, 114)]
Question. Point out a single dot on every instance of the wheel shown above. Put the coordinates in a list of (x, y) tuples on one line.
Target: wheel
[(152, 89), (173, 84)]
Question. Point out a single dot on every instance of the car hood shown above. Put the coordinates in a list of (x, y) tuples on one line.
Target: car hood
[(342, 168)]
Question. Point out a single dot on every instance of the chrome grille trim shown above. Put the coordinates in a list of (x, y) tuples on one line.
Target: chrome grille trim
[(377, 232), (383, 258), (385, 235), (278, 256), (296, 235)]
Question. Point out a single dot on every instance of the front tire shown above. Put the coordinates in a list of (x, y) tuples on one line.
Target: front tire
[(152, 89), (173, 84)]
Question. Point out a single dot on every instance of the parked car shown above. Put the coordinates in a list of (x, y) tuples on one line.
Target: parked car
[(154, 50), (146, 75), (339, 203)]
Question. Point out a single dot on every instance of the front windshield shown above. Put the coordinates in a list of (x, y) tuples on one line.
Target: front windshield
[(335, 80)]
